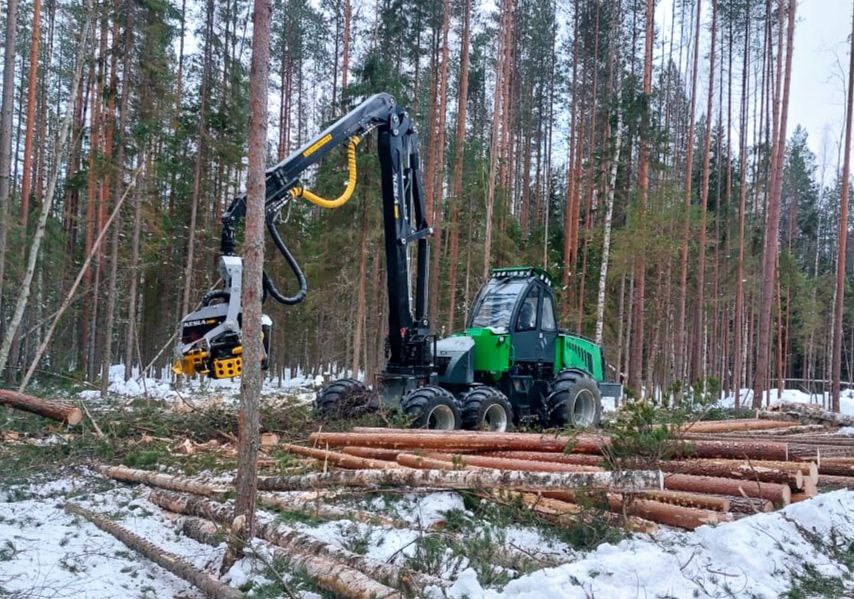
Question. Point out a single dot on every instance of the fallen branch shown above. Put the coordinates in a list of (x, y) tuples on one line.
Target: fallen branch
[(209, 585), (35, 405), (467, 479)]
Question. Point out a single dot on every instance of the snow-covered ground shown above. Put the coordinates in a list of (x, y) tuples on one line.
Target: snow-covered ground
[(162, 387), (45, 552), (775, 397), (753, 557)]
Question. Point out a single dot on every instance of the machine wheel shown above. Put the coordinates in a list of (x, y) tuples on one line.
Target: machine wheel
[(487, 408), (432, 407), (575, 399), (343, 398)]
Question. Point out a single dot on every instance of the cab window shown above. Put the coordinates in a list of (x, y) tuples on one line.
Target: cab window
[(496, 305), (527, 319), (547, 321)]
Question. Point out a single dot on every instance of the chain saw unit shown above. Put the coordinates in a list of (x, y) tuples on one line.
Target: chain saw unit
[(211, 342)]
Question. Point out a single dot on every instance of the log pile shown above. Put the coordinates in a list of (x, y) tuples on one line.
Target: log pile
[(722, 469)]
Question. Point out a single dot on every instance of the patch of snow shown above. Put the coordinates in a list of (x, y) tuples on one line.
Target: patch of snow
[(754, 556), (775, 397), (426, 510), (846, 431)]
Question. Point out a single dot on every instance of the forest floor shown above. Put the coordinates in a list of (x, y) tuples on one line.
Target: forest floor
[(479, 548)]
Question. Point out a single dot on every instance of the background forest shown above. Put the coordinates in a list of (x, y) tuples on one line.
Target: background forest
[(644, 164)]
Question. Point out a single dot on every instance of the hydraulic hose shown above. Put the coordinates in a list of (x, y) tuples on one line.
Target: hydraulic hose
[(301, 192), (269, 286)]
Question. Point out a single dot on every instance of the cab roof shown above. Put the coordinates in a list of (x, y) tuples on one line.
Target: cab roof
[(522, 272)]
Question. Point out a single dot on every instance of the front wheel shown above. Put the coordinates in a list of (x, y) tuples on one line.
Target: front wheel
[(486, 408), (432, 407), (344, 398), (575, 400)]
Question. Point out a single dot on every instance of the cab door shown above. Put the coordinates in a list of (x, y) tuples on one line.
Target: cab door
[(526, 334), (548, 328)]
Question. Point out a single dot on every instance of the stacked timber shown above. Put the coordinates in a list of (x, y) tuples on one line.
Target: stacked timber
[(729, 468)]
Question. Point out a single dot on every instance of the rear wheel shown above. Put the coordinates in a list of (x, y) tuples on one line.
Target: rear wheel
[(486, 408), (344, 398), (575, 399), (432, 407)]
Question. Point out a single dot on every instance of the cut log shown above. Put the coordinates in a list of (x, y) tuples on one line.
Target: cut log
[(511, 464), (629, 480), (70, 415), (804, 441), (741, 470), (790, 429), (462, 440), (777, 493), (714, 426), (164, 481), (749, 505), (206, 583), (341, 460), (835, 468), (812, 412), (581, 459), (685, 499), (703, 448), (410, 460), (202, 531), (655, 511), (296, 542), (827, 481), (374, 453)]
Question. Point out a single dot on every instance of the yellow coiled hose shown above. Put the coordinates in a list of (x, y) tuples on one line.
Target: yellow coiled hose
[(301, 192)]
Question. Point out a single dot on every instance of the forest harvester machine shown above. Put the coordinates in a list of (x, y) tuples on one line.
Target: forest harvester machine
[(511, 364)]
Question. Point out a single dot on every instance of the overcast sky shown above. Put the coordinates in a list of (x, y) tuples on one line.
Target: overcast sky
[(819, 69)]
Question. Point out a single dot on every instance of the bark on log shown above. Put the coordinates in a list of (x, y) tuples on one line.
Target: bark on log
[(467, 479), (70, 415), (511, 464), (296, 542), (410, 460), (580, 459), (812, 413), (164, 481), (779, 494), (741, 470), (655, 511), (209, 585), (201, 531), (715, 426), (702, 448), (827, 481), (339, 459), (374, 453), (835, 468), (685, 499), (749, 505), (792, 440), (462, 440)]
